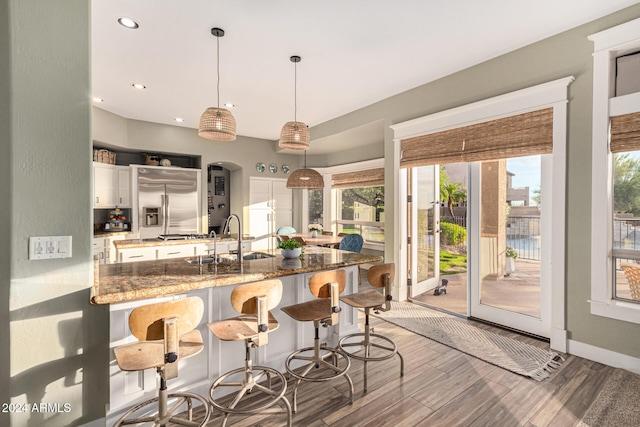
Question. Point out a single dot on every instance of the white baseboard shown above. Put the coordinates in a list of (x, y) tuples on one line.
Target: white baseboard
[(604, 356), (558, 341)]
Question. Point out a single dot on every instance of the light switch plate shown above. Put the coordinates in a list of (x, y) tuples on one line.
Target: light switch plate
[(49, 247)]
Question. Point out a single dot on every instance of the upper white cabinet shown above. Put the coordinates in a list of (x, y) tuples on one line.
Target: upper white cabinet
[(103, 186), (271, 208), (123, 174), (111, 186)]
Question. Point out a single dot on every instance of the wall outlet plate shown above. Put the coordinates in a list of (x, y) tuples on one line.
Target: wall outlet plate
[(49, 247)]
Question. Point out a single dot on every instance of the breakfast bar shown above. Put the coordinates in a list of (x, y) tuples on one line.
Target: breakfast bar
[(125, 286)]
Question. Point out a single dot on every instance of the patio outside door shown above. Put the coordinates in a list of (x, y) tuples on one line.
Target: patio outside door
[(517, 299), (424, 228)]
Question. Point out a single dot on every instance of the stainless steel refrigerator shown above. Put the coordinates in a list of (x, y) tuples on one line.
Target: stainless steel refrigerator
[(168, 201)]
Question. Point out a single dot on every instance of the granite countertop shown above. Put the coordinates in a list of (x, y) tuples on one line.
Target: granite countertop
[(147, 243), (148, 279)]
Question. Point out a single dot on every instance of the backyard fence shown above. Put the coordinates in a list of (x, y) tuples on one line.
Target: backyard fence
[(523, 235)]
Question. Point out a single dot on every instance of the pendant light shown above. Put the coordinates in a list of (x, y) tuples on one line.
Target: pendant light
[(304, 178), (217, 123), (295, 134)]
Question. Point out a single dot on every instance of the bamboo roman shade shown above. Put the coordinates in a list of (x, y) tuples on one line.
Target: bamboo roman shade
[(364, 178), (515, 136), (625, 133)]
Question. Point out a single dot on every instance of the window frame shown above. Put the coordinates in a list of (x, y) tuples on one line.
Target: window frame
[(329, 196), (608, 45)]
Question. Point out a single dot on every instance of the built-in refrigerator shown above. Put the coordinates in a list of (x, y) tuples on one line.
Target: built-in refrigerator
[(168, 201)]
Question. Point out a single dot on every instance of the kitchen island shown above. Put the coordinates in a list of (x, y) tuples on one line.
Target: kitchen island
[(128, 285)]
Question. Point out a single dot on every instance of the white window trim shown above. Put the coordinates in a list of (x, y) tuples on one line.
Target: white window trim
[(608, 45), (550, 94)]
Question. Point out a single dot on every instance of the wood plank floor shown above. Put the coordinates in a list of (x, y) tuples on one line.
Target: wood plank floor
[(441, 387)]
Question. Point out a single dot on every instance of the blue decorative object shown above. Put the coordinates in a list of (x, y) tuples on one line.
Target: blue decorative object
[(286, 230), (351, 243)]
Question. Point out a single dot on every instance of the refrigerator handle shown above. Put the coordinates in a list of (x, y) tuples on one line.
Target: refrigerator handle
[(165, 215)]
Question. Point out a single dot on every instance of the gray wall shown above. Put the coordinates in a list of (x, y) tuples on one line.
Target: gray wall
[(5, 208), (239, 156), (53, 345), (58, 342), (569, 53)]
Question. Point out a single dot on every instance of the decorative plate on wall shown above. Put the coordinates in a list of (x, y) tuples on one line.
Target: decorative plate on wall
[(285, 169), (260, 167), (273, 168)]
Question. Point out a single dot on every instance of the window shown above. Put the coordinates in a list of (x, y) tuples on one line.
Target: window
[(315, 206), (361, 210), (359, 203), (615, 170)]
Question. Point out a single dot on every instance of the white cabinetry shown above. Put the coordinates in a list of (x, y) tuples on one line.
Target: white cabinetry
[(103, 186), (271, 208), (137, 254), (111, 186), (101, 250), (123, 178), (179, 251)]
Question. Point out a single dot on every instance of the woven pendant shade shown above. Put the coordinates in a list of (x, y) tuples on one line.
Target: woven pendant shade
[(305, 178), (295, 135), (217, 124)]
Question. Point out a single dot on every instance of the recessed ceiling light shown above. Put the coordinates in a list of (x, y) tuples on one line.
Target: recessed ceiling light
[(229, 105), (138, 86), (96, 99), (179, 119), (128, 23)]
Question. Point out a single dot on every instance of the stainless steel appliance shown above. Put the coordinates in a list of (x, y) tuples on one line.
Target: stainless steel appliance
[(168, 201)]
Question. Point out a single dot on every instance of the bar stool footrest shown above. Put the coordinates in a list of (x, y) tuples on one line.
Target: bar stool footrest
[(184, 417), (390, 351), (244, 388), (311, 360)]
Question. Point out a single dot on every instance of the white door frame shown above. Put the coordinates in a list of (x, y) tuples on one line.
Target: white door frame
[(550, 94), (418, 288)]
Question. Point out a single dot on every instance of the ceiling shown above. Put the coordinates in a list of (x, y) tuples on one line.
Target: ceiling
[(354, 53)]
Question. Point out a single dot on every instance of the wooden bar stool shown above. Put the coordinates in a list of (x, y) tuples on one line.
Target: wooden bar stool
[(166, 333), (379, 276), (253, 301), (324, 310)]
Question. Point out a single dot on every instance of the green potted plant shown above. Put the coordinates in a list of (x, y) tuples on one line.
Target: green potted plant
[(290, 248), (314, 229), (510, 261)]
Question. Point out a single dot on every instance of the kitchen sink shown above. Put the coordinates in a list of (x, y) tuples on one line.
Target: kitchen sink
[(257, 255), (200, 261), (222, 258)]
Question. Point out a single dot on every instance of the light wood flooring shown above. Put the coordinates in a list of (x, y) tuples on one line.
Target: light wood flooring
[(442, 387)]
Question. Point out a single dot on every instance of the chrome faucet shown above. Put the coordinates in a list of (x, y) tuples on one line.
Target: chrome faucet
[(227, 230), (212, 233)]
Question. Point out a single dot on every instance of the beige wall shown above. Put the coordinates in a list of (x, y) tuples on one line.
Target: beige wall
[(53, 345)]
